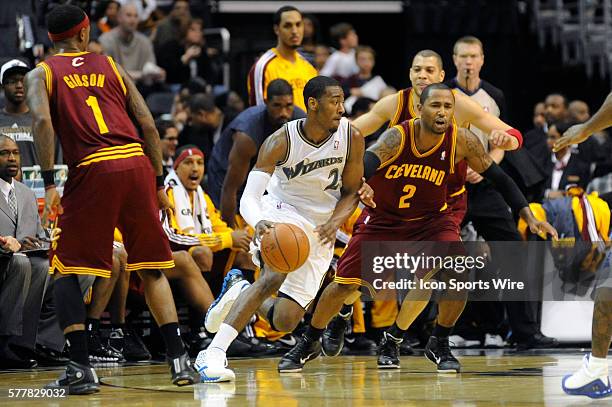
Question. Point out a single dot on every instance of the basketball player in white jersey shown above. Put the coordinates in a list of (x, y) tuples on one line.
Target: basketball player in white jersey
[(312, 170)]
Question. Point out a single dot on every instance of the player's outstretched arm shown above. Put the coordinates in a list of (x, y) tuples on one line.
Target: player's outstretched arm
[(351, 183), (239, 159), (470, 149), (382, 112), (272, 152), (580, 132), (44, 137), (501, 135)]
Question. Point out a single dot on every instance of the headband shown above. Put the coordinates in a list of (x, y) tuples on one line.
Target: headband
[(187, 153), (70, 32)]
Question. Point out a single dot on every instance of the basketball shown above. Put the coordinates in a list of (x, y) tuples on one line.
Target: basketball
[(285, 247)]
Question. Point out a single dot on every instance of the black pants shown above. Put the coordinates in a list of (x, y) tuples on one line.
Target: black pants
[(522, 315)]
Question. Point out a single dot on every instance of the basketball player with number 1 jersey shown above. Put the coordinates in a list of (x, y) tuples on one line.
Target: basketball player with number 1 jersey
[(85, 98), (312, 170)]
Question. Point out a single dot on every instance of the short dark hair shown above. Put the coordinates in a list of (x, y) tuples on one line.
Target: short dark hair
[(428, 53), (315, 88), (339, 31), (64, 17), (468, 39), (362, 105), (202, 101), (279, 87), (434, 86), (162, 125), (279, 13), (562, 126), (561, 95)]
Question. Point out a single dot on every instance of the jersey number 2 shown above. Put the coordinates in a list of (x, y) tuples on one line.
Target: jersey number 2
[(410, 190), (335, 173), (92, 102)]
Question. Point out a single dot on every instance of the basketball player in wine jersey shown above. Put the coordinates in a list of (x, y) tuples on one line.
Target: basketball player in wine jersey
[(85, 99)]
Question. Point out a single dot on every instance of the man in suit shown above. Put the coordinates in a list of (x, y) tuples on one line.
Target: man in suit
[(24, 275), (563, 167)]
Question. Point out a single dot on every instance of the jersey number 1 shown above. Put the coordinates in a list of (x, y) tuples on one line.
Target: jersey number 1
[(92, 102)]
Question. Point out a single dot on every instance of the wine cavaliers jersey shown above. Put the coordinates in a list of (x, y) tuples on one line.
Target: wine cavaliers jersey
[(412, 184), (87, 98), (406, 111)]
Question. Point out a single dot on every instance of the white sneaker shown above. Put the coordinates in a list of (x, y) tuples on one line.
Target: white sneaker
[(457, 341), (233, 284), (587, 383), (493, 341), (212, 367)]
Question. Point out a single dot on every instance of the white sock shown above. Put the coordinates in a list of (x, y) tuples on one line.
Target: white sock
[(223, 339), (598, 366)]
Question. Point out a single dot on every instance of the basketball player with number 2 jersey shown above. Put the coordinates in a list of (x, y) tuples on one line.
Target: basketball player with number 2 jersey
[(85, 98)]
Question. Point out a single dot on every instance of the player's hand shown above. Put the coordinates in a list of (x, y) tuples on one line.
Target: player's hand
[(327, 232), (366, 194), (542, 227), (163, 201), (52, 204), (31, 243), (503, 140), (574, 135), (9, 243), (241, 240), (263, 226), (473, 177)]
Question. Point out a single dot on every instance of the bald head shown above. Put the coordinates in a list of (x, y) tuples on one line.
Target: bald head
[(579, 111), (128, 18)]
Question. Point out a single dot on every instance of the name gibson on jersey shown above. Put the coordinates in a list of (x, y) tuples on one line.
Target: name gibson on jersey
[(304, 167)]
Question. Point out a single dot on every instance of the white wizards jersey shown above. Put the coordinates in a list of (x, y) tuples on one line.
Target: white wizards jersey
[(310, 178)]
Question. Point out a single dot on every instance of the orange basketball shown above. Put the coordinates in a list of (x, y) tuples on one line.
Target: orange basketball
[(285, 247)]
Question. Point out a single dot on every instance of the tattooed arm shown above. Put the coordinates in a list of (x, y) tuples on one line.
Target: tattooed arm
[(139, 110), (44, 136), (382, 153), (470, 149)]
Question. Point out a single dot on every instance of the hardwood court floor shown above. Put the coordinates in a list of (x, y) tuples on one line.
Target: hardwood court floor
[(489, 378)]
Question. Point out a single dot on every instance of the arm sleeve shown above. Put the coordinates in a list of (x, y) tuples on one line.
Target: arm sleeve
[(250, 203), (507, 187)]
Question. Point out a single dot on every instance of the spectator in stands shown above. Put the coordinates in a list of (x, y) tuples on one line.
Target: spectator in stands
[(563, 167), (231, 104), (364, 83), (187, 58), (168, 133), (205, 121), (144, 8), (15, 117), (578, 111), (283, 61), (131, 49), (321, 55), (361, 106), (536, 138), (108, 21), (555, 108), (310, 40), (341, 64), (174, 25), (24, 265), (234, 155)]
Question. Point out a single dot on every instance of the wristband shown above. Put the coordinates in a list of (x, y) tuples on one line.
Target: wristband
[(516, 134), (48, 177), (159, 182)]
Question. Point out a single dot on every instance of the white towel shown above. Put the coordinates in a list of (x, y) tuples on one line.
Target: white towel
[(189, 220)]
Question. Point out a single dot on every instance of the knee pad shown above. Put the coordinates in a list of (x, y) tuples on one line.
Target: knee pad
[(69, 305)]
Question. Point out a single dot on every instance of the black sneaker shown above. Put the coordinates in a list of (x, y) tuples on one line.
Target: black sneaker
[(388, 352), (252, 347), (129, 344), (438, 351), (304, 351), (196, 342), (359, 344), (333, 336), (182, 371), (77, 379), (99, 352)]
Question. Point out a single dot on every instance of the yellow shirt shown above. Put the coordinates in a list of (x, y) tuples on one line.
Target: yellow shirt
[(272, 65)]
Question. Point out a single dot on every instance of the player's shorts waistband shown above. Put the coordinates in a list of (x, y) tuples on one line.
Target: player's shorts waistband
[(112, 153), (457, 193)]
